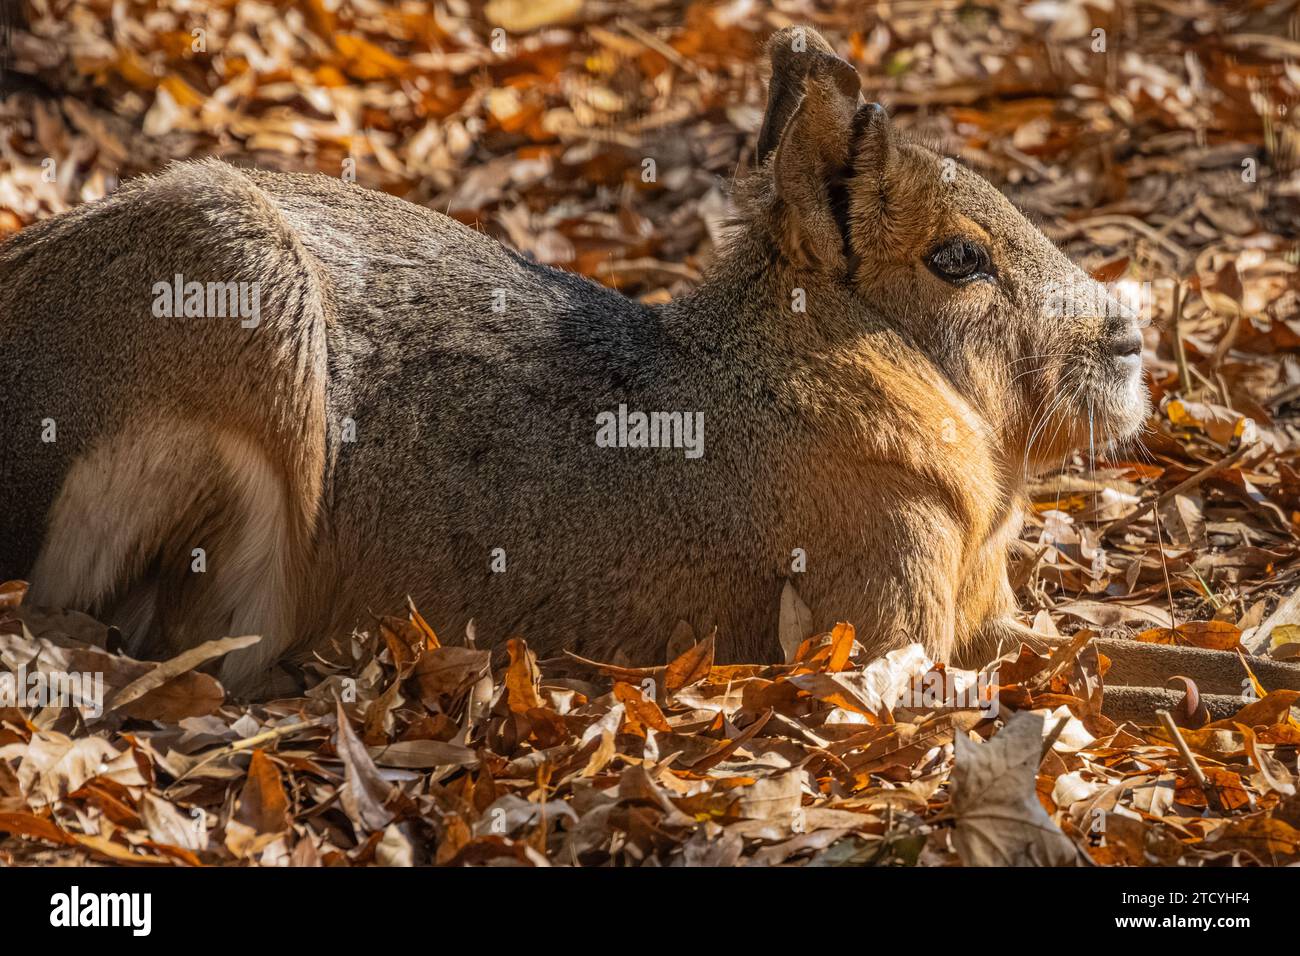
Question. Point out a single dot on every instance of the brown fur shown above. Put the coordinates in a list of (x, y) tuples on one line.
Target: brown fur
[(885, 430)]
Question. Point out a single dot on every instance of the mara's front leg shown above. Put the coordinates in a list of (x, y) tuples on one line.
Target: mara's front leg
[(918, 563), (985, 608), (912, 549)]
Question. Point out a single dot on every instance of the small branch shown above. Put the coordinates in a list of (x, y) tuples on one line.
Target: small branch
[(256, 740), (1050, 740), (1180, 350), (1185, 485), (1211, 793)]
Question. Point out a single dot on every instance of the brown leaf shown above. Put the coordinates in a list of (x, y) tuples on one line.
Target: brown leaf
[(11, 594), (1000, 821), (522, 678), (169, 670), (691, 667), (167, 826), (263, 804), (53, 765), (364, 790)]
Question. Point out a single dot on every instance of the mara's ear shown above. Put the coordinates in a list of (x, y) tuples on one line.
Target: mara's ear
[(808, 133), (873, 142), (889, 207), (792, 52)]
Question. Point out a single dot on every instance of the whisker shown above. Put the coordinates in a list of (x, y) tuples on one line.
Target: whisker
[(1041, 355), (1033, 371), (1062, 396)]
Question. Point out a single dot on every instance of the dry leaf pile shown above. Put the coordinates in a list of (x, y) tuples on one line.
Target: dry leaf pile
[(408, 751), (1165, 163)]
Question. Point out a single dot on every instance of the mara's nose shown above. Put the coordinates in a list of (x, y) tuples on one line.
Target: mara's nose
[(1126, 345)]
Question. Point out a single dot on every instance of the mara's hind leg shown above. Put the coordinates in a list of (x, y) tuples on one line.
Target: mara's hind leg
[(177, 534), (183, 495)]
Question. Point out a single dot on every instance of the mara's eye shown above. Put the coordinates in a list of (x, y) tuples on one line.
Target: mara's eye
[(959, 260)]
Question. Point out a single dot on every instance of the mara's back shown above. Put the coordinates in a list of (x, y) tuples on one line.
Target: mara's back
[(464, 387)]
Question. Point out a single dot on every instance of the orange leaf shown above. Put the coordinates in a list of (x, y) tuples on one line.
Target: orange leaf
[(262, 803), (11, 593), (841, 646), (430, 639), (1211, 635), (522, 678), (366, 61), (1158, 635), (646, 712), (30, 825), (1272, 709), (690, 667)]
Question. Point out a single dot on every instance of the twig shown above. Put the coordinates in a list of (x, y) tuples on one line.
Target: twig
[(648, 39), (1180, 350), (1211, 793), (1184, 485), (257, 739), (1050, 741)]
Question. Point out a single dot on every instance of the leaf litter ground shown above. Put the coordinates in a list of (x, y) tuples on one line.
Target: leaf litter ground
[(1165, 164)]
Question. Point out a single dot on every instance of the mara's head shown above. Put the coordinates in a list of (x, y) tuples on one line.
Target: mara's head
[(933, 249)]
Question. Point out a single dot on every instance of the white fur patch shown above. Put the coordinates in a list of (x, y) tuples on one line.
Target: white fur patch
[(115, 506), (255, 574), (150, 492)]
